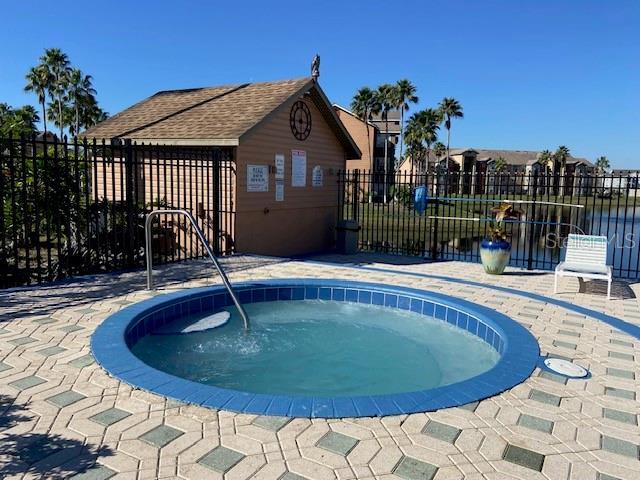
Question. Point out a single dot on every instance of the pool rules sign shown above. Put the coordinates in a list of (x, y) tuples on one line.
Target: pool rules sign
[(298, 168), (279, 161), (257, 178)]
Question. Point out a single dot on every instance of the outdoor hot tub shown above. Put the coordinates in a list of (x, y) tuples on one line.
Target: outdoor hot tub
[(318, 348)]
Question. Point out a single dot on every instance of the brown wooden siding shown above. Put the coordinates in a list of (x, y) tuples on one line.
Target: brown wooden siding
[(305, 221)]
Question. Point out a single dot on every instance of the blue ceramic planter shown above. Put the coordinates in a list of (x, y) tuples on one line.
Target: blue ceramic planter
[(495, 255)]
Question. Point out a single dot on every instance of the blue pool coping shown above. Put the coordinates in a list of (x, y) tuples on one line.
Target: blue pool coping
[(518, 349)]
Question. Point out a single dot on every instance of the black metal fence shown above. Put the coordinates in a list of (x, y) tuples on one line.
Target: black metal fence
[(458, 214), (78, 207)]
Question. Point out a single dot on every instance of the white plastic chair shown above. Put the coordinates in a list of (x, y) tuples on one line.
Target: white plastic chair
[(586, 257)]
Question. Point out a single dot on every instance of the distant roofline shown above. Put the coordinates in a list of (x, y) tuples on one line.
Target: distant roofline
[(570, 160)]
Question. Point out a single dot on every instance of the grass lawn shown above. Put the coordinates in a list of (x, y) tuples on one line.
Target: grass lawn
[(587, 201), (404, 228), (400, 227)]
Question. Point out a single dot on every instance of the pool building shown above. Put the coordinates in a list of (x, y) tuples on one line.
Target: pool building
[(283, 144)]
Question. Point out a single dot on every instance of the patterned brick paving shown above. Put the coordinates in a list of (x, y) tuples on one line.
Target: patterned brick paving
[(62, 416)]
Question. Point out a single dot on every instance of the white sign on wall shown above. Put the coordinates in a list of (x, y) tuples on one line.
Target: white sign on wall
[(257, 178), (298, 168), (317, 176), (279, 166), (279, 191)]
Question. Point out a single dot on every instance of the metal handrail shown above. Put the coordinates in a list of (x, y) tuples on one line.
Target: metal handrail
[(225, 280)]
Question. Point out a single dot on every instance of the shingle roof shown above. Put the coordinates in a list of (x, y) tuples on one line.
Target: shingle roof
[(153, 109), (216, 115)]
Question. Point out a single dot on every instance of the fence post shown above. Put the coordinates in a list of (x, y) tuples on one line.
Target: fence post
[(216, 163), (436, 179), (129, 196), (340, 195), (355, 192), (532, 225)]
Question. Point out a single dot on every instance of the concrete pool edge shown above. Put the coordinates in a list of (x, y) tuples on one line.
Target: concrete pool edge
[(518, 358)]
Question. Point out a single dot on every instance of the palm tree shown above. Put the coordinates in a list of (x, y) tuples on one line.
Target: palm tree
[(18, 121), (5, 110), (38, 80), (413, 138), (544, 158), (26, 119), (449, 108), (363, 105), (80, 92), (439, 149), (386, 97), (57, 64), (422, 132), (406, 94), (415, 151), (430, 119), (560, 157), (602, 164), (91, 114), (500, 165), (6, 123)]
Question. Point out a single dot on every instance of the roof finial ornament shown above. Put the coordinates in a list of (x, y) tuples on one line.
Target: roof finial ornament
[(315, 67)]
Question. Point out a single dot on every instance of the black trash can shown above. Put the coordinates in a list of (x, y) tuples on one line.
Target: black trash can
[(347, 241)]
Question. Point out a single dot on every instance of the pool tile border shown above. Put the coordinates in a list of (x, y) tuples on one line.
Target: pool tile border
[(518, 348)]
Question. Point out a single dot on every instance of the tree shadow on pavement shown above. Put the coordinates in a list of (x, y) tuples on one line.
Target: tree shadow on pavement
[(46, 299), (42, 455)]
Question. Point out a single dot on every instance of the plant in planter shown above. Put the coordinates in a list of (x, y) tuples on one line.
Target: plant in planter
[(495, 249)]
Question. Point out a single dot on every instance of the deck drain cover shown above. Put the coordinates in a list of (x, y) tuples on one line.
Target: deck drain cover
[(566, 368)]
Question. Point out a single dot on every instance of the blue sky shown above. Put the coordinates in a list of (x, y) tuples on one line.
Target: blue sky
[(529, 74)]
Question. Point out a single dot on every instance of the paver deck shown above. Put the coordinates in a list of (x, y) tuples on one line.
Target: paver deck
[(62, 415)]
